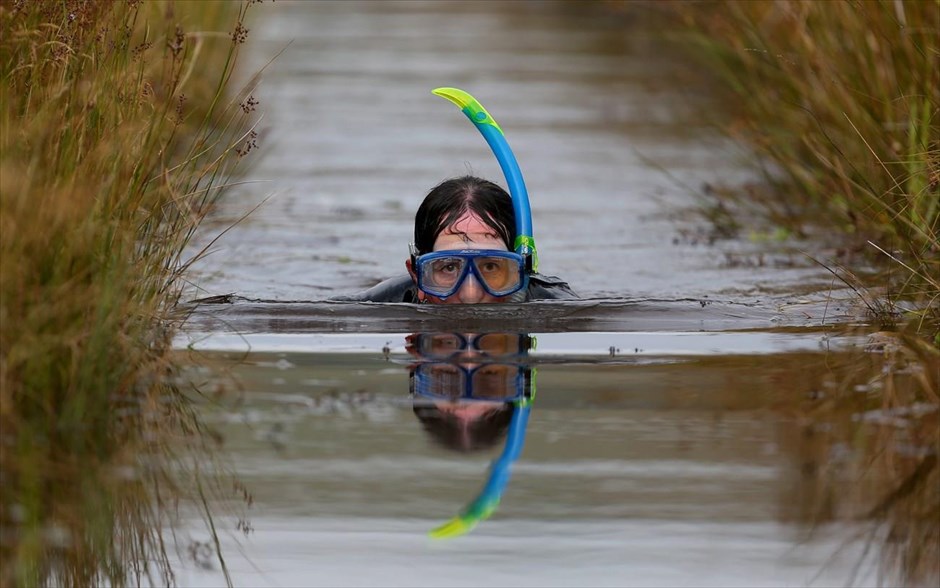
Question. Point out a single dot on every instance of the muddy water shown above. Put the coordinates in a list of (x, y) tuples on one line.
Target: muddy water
[(601, 116), (682, 458), (681, 428)]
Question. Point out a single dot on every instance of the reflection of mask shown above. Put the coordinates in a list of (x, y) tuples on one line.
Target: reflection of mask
[(458, 372), (448, 381)]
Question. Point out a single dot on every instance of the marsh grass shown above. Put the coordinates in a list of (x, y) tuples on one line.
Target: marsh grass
[(117, 133), (869, 443), (840, 102)]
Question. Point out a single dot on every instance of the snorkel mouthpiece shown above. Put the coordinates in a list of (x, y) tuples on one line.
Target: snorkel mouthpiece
[(486, 124)]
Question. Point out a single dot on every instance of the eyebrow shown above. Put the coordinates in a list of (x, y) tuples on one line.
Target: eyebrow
[(466, 236)]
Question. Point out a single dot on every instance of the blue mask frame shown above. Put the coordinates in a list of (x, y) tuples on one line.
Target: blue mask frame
[(418, 261)]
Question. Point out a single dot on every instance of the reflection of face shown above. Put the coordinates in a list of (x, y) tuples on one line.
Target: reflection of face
[(468, 232), (468, 412), (465, 426), (466, 385)]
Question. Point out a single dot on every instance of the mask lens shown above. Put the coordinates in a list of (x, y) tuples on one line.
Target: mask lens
[(498, 344), (442, 273), (441, 380), (495, 382), (501, 274), (441, 345)]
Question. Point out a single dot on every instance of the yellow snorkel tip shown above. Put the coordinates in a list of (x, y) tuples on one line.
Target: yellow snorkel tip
[(452, 528), (470, 107), (455, 95), (478, 510)]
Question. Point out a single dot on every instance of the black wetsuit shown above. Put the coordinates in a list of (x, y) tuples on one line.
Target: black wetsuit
[(403, 289)]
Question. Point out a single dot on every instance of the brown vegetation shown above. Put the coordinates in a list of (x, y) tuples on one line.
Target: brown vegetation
[(115, 137)]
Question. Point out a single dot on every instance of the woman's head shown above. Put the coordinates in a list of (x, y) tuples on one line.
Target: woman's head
[(459, 214), (452, 200)]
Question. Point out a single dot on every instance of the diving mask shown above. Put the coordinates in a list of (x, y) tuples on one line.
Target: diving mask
[(442, 273), (454, 382)]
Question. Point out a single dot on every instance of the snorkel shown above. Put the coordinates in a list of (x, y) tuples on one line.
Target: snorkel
[(485, 503), (486, 124)]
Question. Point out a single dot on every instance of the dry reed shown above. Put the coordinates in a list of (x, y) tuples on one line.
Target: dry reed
[(868, 445), (116, 135), (840, 102)]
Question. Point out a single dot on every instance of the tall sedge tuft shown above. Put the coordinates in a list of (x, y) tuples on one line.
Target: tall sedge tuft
[(841, 103), (117, 133)]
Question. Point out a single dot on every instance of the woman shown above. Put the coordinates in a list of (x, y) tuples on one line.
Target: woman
[(463, 252)]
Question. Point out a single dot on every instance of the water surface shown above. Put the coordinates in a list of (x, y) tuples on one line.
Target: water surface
[(603, 118), (683, 458), (683, 430)]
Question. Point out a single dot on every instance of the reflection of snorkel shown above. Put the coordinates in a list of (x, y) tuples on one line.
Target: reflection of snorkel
[(525, 242), (487, 500), (447, 356)]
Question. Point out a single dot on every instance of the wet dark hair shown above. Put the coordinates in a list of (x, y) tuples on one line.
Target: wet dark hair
[(451, 199), (483, 433)]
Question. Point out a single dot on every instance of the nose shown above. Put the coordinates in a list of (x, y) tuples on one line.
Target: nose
[(468, 359), (471, 291)]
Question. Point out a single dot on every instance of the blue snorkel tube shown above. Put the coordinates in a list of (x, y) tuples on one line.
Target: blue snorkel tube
[(485, 503), (486, 124)]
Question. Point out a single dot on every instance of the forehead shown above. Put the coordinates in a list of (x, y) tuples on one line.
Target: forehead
[(470, 224), (468, 232)]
